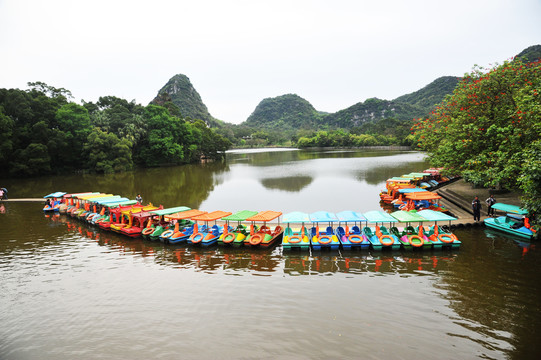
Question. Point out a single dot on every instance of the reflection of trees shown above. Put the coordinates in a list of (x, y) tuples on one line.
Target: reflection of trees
[(379, 173), (497, 293), (290, 183), (186, 185), (280, 157)]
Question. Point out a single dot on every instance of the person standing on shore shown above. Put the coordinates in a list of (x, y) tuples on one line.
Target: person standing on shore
[(476, 207), (490, 201)]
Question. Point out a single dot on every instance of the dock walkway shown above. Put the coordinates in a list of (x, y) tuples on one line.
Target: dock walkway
[(42, 200), (459, 195)]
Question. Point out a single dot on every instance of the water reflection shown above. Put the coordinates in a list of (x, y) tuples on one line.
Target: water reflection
[(289, 183)]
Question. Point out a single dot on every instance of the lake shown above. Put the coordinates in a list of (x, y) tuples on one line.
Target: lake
[(69, 290)]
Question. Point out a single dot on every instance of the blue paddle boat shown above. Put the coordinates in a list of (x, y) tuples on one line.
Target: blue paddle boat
[(324, 238), (296, 238), (515, 222), (351, 238)]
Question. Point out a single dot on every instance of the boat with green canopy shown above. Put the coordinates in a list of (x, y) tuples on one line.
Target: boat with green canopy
[(411, 236), (237, 235)]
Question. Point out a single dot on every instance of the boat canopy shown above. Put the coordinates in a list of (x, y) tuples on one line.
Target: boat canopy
[(57, 194), (510, 208), (265, 216), (432, 215), (79, 194), (170, 211), (91, 196), (215, 215), (120, 203), (323, 216), (111, 200), (240, 215), (407, 216), (411, 190), (142, 214), (350, 216), (399, 179), (185, 214), (427, 195), (105, 198), (296, 217), (419, 174), (376, 216)]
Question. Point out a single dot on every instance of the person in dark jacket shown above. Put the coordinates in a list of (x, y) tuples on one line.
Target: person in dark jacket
[(476, 207), (490, 201)]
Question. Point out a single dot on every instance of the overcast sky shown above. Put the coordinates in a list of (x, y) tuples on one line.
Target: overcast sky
[(236, 53)]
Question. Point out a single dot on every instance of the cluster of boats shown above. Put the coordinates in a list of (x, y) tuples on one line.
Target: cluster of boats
[(412, 191), (304, 231)]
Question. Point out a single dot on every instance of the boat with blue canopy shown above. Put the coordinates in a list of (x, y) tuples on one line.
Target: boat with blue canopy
[(515, 222), (296, 238), (56, 198), (380, 236), (351, 238), (325, 238)]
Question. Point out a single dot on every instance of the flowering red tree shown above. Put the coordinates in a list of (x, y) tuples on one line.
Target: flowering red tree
[(489, 129)]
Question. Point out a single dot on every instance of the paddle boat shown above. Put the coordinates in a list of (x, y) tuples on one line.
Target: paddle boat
[(126, 218), (326, 238), (208, 235), (436, 232), (351, 238), (380, 237), (296, 238), (183, 227), (515, 222), (422, 201), (157, 223), (137, 221), (68, 202), (55, 200), (392, 186), (264, 236), (236, 236), (112, 213), (411, 237), (399, 202)]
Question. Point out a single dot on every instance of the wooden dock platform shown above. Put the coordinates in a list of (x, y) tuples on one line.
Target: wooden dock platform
[(25, 200)]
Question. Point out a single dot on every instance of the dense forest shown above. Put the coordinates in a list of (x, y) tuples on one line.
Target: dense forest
[(44, 132)]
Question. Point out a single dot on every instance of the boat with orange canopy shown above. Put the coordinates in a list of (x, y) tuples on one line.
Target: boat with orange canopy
[(263, 237), (207, 236)]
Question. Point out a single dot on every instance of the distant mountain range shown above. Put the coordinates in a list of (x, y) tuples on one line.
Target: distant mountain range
[(291, 112)]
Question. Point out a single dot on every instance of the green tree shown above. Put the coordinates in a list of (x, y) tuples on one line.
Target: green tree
[(107, 153)]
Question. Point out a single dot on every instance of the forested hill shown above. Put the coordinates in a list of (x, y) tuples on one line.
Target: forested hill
[(293, 112), (288, 111), (180, 91), (530, 54)]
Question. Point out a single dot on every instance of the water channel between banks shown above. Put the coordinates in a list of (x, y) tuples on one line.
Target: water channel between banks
[(69, 290)]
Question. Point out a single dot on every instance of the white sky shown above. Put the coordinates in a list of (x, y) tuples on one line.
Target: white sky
[(332, 53)]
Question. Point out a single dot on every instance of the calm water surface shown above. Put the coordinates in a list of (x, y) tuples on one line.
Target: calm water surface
[(68, 290)]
